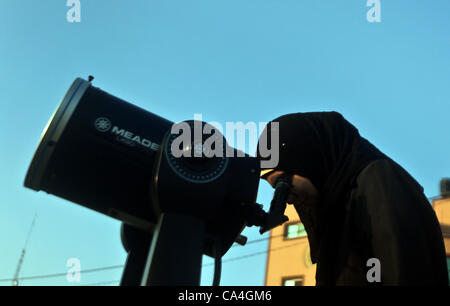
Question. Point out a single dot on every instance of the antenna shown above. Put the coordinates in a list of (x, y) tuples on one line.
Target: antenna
[(15, 281)]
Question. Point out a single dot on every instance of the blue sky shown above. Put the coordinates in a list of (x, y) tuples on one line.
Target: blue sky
[(230, 61)]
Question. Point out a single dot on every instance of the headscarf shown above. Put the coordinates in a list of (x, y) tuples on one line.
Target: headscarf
[(328, 150)]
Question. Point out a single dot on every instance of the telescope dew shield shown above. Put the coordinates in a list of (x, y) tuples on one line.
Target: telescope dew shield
[(98, 151)]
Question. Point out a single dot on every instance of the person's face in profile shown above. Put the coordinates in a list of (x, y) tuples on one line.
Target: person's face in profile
[(302, 191)]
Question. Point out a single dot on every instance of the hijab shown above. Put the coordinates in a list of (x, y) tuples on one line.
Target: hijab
[(328, 150)]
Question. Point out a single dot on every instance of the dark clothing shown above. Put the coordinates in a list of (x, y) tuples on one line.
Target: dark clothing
[(369, 207), (387, 217), (328, 150)]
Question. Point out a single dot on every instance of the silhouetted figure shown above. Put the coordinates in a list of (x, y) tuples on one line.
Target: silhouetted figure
[(356, 204)]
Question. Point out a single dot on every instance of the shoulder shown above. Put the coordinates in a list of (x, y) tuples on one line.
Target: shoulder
[(384, 188), (386, 172), (386, 196)]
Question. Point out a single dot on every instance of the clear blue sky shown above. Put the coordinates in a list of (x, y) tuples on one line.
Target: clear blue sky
[(230, 61)]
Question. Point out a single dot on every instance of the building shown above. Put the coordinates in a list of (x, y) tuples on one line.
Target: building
[(289, 241), (442, 208), (286, 242)]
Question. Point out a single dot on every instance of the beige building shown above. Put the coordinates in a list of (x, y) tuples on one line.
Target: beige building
[(288, 242), (442, 208)]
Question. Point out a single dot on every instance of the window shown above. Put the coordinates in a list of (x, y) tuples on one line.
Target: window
[(297, 281), (294, 230)]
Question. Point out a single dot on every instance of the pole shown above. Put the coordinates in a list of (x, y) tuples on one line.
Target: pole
[(15, 281)]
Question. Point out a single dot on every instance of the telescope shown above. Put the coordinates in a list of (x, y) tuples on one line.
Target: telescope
[(175, 199)]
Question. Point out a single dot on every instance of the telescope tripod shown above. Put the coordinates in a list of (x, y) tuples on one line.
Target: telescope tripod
[(171, 255)]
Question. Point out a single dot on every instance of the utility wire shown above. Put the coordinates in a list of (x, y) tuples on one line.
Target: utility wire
[(205, 265), (65, 273), (102, 283), (121, 266), (257, 240), (254, 254)]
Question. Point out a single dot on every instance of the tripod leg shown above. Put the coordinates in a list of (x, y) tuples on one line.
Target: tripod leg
[(176, 252), (134, 266), (137, 244)]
